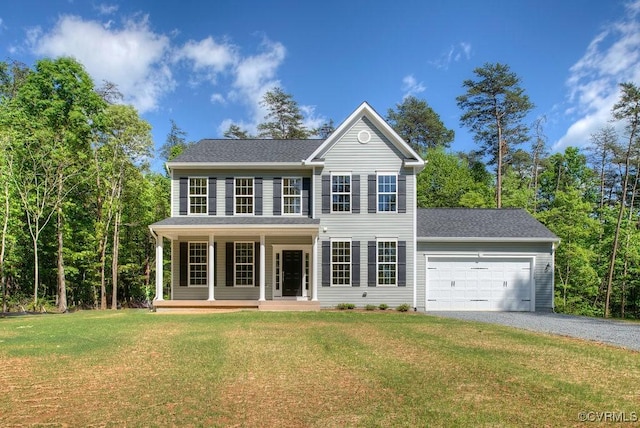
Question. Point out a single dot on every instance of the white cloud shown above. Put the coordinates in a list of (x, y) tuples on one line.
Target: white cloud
[(133, 57), (455, 53), (411, 87), (218, 99), (612, 57), (208, 56), (106, 9)]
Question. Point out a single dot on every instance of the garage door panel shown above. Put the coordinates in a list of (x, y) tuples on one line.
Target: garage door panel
[(479, 284)]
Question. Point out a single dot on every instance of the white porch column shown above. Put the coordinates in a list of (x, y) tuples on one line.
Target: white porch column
[(159, 268), (314, 276), (263, 293), (211, 269)]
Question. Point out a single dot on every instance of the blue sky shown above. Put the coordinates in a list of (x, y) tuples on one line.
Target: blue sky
[(207, 64)]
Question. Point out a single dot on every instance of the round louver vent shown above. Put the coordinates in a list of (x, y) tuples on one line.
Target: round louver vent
[(364, 137)]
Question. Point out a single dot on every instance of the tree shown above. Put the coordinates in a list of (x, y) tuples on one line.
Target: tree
[(419, 125), (627, 109), (494, 107), (54, 113), (283, 120), (325, 129), (175, 143), (234, 132), (444, 180)]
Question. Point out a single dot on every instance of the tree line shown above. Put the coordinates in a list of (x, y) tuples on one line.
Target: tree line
[(78, 194)]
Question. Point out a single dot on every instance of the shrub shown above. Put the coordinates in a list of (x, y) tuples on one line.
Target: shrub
[(343, 306), (383, 306), (403, 307), (370, 307)]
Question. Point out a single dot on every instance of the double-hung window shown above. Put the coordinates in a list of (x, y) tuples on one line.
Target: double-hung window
[(387, 261), (340, 262), (244, 264), (244, 195), (341, 193), (197, 264), (292, 195), (197, 195), (387, 193)]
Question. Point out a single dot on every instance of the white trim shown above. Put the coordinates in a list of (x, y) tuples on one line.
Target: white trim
[(206, 243), (378, 121), (278, 249), (484, 255), (340, 174), (236, 165), (331, 263), (253, 196), (211, 269), (253, 268), (378, 241), (282, 196), (477, 239), (262, 274), (386, 174), (206, 195), (159, 268)]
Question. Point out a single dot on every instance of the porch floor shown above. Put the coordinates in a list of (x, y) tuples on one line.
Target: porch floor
[(219, 305)]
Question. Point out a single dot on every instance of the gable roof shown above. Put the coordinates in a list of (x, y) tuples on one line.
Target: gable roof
[(255, 151), (365, 110), (467, 224)]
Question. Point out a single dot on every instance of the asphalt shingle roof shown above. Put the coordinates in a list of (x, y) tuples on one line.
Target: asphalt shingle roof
[(249, 151), (235, 220), (480, 223)]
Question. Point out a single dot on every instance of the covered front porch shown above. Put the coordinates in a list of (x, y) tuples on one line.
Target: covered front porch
[(244, 264)]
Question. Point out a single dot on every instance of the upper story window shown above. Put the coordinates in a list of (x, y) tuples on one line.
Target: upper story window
[(198, 195), (292, 195), (341, 193), (387, 193), (387, 262), (244, 195), (340, 262)]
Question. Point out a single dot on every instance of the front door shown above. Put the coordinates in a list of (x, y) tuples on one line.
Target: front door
[(292, 272)]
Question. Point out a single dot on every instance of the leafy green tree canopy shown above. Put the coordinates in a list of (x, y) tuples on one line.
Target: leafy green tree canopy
[(283, 120)]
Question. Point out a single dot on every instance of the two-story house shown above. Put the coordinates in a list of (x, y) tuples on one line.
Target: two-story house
[(322, 222)]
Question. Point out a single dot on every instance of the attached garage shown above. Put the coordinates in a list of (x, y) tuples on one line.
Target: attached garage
[(483, 260)]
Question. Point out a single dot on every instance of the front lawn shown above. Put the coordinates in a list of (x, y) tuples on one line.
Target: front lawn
[(318, 369)]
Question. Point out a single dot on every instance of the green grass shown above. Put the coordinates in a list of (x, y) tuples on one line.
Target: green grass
[(323, 369)]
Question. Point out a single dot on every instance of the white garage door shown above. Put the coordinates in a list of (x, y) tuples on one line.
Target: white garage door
[(475, 284)]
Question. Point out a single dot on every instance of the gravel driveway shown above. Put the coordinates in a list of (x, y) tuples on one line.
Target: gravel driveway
[(618, 333)]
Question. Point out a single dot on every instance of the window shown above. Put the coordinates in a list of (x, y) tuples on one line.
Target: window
[(387, 193), (198, 195), (197, 264), (387, 262), (292, 195), (340, 193), (244, 195), (340, 262), (244, 260)]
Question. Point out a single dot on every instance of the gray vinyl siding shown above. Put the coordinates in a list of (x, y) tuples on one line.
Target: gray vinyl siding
[(221, 175), (221, 291), (543, 253), (350, 156)]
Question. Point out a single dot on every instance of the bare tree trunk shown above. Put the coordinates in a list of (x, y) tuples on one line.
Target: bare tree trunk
[(625, 272), (5, 226), (114, 260), (62, 282), (103, 272), (36, 272)]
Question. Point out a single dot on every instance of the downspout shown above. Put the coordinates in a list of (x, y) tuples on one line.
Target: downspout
[(415, 241)]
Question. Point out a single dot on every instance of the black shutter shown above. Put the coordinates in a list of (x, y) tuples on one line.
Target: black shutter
[(326, 194), (277, 196), (402, 193), (184, 195), (306, 196), (326, 263), (256, 265), (184, 264), (212, 196), (372, 196), (372, 279), (228, 196), (355, 263), (229, 264), (402, 263), (355, 194), (257, 195)]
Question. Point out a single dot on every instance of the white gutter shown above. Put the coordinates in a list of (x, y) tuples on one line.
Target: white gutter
[(470, 239)]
